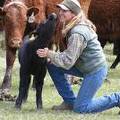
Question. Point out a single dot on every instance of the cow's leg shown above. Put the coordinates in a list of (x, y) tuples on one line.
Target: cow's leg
[(39, 81), (115, 63), (33, 83), (10, 58), (23, 89)]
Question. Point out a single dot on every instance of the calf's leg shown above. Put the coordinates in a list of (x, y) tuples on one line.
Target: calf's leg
[(115, 63), (23, 88), (39, 81)]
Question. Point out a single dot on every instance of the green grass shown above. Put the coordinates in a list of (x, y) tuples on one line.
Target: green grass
[(51, 97)]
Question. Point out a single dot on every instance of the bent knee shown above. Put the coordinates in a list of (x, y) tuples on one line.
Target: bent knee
[(82, 109)]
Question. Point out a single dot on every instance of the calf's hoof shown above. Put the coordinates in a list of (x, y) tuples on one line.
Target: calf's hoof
[(18, 107), (39, 107), (18, 104), (112, 67)]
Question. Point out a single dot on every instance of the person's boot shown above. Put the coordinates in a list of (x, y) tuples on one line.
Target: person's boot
[(63, 106)]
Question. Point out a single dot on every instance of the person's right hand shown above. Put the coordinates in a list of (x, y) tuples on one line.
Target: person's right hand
[(42, 52)]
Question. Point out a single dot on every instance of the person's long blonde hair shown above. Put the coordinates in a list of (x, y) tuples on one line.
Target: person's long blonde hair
[(63, 29), (80, 18)]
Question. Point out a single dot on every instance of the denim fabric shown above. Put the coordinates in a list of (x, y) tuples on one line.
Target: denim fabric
[(62, 85), (85, 102)]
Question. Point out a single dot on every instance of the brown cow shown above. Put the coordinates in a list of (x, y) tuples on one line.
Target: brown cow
[(105, 15), (15, 18)]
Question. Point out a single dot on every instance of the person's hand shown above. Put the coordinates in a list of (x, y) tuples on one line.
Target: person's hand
[(42, 52)]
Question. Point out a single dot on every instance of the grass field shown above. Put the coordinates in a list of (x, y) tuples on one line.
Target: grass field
[(51, 97)]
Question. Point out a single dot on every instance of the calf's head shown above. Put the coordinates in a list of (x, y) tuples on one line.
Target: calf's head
[(46, 29), (15, 17)]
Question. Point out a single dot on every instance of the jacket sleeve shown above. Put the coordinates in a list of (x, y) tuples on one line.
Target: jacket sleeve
[(67, 58)]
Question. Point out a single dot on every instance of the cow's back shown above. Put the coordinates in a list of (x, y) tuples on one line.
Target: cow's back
[(40, 4), (105, 15)]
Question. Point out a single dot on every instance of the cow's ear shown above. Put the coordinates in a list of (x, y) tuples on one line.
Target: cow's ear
[(2, 13), (31, 14), (32, 10)]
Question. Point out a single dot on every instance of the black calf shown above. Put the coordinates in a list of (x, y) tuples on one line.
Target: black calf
[(2, 3), (31, 64)]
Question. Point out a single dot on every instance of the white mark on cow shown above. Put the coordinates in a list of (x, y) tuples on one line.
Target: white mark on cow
[(31, 18)]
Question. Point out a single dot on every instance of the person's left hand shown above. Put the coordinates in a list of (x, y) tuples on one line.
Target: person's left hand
[(42, 52)]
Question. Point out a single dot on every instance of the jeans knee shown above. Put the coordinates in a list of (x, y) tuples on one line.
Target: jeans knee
[(81, 109)]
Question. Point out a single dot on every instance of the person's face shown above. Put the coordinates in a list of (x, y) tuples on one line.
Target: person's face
[(65, 15)]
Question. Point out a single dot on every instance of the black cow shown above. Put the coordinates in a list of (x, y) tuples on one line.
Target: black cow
[(31, 64), (116, 51)]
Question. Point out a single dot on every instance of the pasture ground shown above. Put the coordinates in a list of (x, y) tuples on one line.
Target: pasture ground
[(51, 97)]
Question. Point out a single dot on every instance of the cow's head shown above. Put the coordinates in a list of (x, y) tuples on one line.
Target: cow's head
[(15, 18)]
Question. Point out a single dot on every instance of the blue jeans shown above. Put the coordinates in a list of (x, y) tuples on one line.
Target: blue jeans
[(85, 102)]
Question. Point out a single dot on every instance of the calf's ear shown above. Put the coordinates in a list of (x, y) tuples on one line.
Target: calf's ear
[(31, 14), (32, 10)]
